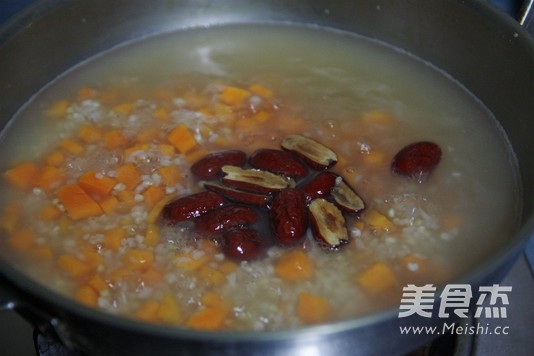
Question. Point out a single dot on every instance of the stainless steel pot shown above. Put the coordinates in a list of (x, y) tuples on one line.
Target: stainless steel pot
[(492, 55)]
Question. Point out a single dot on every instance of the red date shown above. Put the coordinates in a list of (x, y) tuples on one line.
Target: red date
[(328, 224), (320, 186), (210, 166), (417, 160), (289, 218), (277, 161), (347, 199), (225, 218), (243, 194), (243, 244), (192, 206), (314, 153), (254, 180)]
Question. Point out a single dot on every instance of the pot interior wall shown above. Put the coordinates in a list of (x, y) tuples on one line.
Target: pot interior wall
[(465, 39)]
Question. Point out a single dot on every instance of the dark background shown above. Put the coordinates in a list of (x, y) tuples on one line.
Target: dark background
[(10, 7)]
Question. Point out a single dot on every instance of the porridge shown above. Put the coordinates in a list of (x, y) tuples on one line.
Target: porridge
[(124, 179)]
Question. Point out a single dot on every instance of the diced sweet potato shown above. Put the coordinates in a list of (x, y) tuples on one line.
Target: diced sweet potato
[(294, 266), (167, 149), (87, 296), (169, 311), (97, 283), (378, 220), (233, 96), (22, 176), (211, 276), (312, 308), (72, 147), (148, 311), (86, 93), (10, 217), (55, 158), (170, 175), (90, 133), (152, 234), (182, 139), (147, 136), (77, 203), (153, 195), (128, 175), (209, 318), (212, 299), (58, 109), (95, 185), (115, 139), (49, 178), (151, 276), (74, 266), (124, 109), (109, 204), (162, 115), (22, 239), (49, 213), (377, 278), (113, 238)]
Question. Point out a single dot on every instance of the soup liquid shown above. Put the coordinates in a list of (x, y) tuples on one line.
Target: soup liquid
[(362, 99)]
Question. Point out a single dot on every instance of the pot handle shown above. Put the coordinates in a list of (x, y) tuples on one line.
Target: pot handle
[(46, 338), (10, 301), (526, 16), (7, 299)]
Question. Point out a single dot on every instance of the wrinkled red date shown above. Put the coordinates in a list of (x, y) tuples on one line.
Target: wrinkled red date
[(192, 206), (269, 188), (289, 216), (417, 160), (210, 166), (277, 161), (243, 244), (225, 218)]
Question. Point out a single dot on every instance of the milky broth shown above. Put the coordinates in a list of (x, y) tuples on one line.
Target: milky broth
[(362, 99)]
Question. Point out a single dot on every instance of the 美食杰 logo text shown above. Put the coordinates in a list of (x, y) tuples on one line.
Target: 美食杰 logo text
[(455, 300)]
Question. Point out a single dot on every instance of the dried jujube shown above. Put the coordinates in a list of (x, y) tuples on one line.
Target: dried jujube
[(346, 198), (289, 216), (239, 196), (209, 166), (192, 206), (417, 160), (320, 186), (317, 155), (243, 244), (279, 162), (239, 199), (225, 218), (328, 224), (254, 180)]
